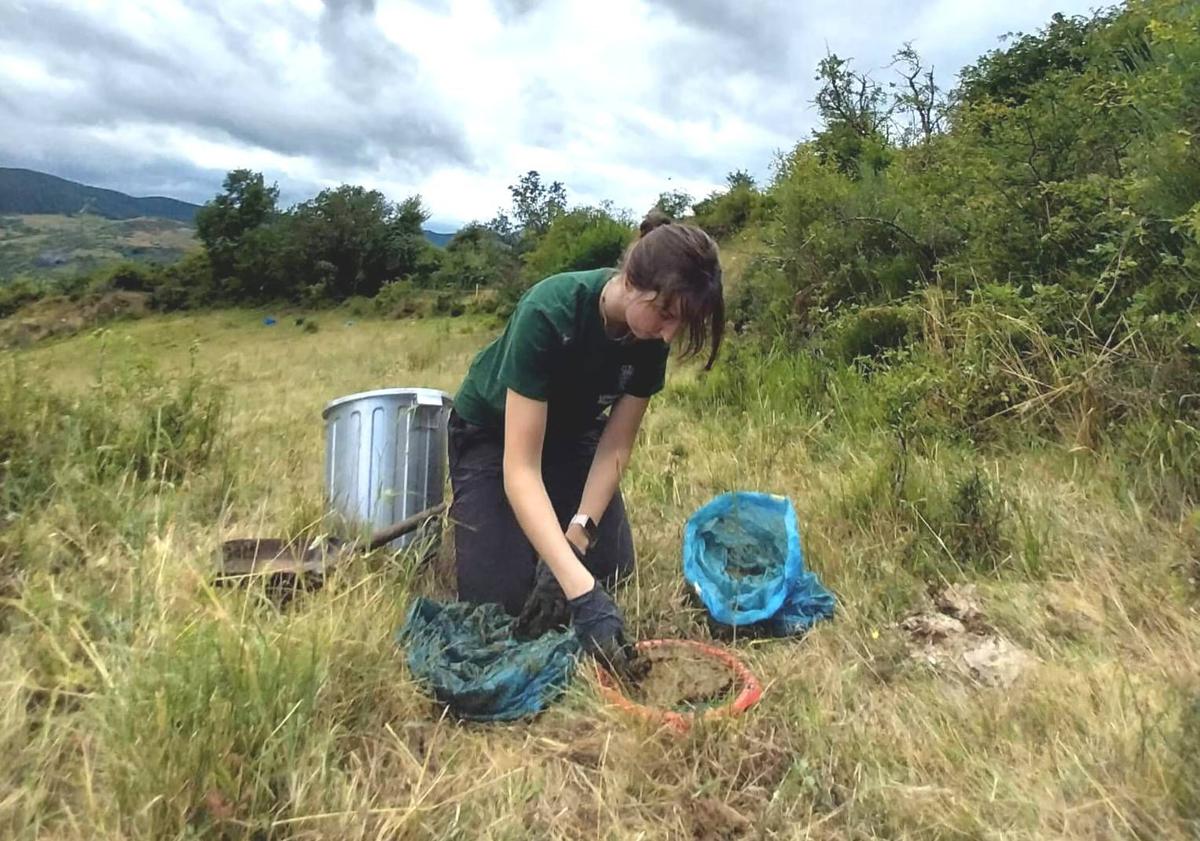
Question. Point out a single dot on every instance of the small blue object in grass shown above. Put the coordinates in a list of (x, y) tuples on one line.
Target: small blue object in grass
[(269, 320), (466, 655), (742, 556)]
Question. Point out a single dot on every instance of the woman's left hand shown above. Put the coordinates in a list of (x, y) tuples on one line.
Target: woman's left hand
[(600, 628)]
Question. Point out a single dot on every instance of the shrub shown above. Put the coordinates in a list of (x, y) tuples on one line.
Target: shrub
[(187, 284), (584, 238), (974, 529), (723, 214), (129, 277), (17, 293), (359, 306), (869, 331), (396, 299)]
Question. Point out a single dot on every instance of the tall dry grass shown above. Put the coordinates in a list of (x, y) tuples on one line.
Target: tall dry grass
[(137, 701)]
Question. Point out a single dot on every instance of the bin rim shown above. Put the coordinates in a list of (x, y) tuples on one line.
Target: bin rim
[(446, 398)]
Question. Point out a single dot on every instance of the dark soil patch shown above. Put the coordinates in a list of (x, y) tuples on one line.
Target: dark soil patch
[(683, 681)]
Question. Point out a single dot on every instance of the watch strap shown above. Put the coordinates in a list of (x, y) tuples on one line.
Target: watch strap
[(587, 524)]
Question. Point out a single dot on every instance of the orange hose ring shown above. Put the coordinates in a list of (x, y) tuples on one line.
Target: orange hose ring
[(749, 692)]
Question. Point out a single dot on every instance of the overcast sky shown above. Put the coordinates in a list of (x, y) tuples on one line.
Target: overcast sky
[(452, 99)]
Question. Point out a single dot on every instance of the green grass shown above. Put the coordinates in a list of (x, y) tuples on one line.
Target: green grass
[(137, 701)]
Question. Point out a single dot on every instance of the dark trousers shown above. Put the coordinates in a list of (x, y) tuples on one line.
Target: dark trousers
[(494, 560)]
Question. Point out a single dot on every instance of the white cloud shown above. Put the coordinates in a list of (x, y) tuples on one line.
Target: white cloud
[(453, 99)]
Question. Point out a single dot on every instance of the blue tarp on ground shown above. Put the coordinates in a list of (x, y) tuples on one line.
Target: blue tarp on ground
[(467, 656), (742, 556)]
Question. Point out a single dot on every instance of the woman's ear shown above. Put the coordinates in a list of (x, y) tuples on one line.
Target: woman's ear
[(628, 291)]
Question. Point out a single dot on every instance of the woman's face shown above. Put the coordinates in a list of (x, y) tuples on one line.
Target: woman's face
[(648, 318)]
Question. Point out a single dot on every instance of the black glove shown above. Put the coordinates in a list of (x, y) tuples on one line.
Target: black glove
[(545, 609), (601, 630)]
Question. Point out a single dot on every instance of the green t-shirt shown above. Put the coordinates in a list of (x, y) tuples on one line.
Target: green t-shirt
[(554, 349)]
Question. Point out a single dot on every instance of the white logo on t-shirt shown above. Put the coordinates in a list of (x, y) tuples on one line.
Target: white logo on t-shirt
[(625, 376)]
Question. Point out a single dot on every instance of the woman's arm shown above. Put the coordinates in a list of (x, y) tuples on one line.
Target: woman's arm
[(524, 434), (611, 458)]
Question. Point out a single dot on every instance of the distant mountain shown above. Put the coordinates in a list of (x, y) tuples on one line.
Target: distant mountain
[(23, 191), (26, 192), (437, 239)]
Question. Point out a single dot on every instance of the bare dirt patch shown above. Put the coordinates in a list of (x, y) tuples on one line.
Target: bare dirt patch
[(957, 639)]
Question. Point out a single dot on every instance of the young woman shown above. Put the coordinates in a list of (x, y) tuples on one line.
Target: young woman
[(545, 421)]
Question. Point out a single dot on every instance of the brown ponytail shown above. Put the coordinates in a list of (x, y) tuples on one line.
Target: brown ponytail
[(680, 261)]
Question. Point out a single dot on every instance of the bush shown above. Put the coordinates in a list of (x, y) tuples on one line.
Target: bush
[(359, 306), (17, 293), (187, 284), (974, 532), (129, 277), (483, 302), (585, 238), (869, 331), (476, 258), (724, 214), (397, 299)]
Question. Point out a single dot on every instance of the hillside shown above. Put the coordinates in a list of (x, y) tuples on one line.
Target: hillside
[(51, 226), (23, 191), (49, 245)]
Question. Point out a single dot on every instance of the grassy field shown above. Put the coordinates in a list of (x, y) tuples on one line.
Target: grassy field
[(138, 702), (46, 245)]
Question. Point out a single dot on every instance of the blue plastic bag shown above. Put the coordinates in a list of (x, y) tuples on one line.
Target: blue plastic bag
[(467, 656), (807, 603), (742, 556)]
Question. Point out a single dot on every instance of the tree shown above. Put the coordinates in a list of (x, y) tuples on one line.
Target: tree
[(917, 96), (674, 203), (1009, 74), (850, 99), (502, 226), (740, 178), (535, 204), (582, 238), (855, 114), (351, 240), (726, 212), (407, 251), (477, 257), (244, 204)]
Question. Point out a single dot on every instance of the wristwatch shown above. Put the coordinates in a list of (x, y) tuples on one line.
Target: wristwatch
[(587, 524)]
